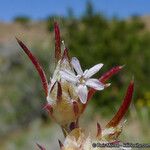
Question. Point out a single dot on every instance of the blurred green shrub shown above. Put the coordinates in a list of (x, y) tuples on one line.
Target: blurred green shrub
[(23, 20)]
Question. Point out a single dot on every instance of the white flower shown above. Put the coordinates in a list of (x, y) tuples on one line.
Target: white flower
[(82, 79)]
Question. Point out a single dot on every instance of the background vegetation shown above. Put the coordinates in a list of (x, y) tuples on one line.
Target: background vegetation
[(92, 38)]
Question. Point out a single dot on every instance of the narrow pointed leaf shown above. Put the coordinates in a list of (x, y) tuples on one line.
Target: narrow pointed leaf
[(123, 108), (57, 42), (36, 65)]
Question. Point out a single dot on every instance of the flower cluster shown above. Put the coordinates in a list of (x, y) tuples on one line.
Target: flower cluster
[(68, 93)]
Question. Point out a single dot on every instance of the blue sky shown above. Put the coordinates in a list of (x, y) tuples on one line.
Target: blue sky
[(39, 9)]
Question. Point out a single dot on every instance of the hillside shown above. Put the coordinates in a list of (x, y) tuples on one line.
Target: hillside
[(36, 31), (33, 31)]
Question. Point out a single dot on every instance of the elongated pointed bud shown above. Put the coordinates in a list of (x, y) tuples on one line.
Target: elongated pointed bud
[(36, 64), (99, 130), (57, 42), (75, 108), (59, 92), (110, 73), (40, 147), (60, 144), (123, 108)]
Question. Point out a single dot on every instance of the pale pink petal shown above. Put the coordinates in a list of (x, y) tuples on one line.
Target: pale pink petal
[(76, 65), (93, 70), (69, 76), (82, 93), (95, 84)]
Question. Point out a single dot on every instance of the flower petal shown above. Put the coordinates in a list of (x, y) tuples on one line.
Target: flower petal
[(69, 76), (76, 65), (85, 72), (95, 84), (93, 70), (82, 93)]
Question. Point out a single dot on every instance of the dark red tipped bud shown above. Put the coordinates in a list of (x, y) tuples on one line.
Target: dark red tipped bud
[(99, 130), (40, 147), (110, 73), (75, 108), (123, 108), (36, 64), (57, 42)]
